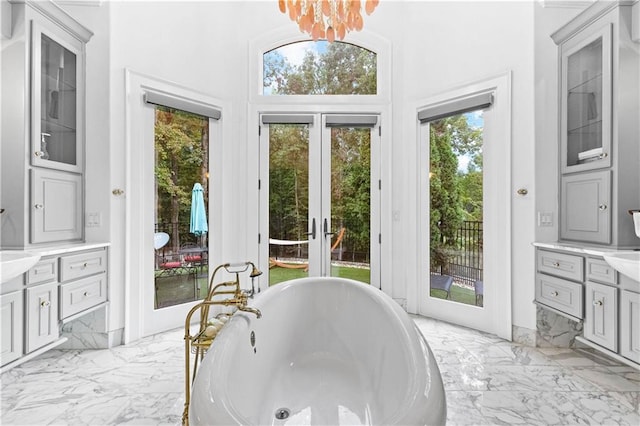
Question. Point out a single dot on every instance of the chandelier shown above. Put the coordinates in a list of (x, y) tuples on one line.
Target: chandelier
[(327, 19)]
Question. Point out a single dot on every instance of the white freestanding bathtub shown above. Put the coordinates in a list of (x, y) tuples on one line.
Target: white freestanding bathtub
[(327, 351)]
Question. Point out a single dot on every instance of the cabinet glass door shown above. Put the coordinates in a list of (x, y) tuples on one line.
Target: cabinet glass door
[(587, 103), (56, 109)]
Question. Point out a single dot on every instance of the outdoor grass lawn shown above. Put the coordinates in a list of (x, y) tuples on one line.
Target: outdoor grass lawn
[(458, 293), (180, 288), (278, 275)]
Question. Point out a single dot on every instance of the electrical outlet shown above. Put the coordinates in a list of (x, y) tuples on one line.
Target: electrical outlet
[(93, 220), (545, 219)]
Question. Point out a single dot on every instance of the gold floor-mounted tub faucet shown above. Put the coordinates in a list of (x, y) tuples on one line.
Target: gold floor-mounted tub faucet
[(226, 293)]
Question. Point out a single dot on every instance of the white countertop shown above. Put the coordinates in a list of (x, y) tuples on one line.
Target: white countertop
[(63, 248), (582, 249)]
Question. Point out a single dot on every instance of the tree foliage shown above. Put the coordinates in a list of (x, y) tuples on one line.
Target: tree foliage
[(181, 159), (341, 69), (455, 195)]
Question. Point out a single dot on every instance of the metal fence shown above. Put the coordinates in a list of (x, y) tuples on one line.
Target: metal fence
[(465, 260)]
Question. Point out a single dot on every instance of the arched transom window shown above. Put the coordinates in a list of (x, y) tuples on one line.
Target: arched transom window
[(320, 68)]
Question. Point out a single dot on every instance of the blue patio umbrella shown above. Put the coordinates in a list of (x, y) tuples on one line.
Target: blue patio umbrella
[(198, 225)]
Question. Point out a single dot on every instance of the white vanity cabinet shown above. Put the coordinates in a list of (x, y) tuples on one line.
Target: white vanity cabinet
[(42, 130), (11, 320), (57, 95), (601, 319), (64, 285), (585, 205), (54, 192), (83, 281), (585, 99), (559, 283), (41, 315), (598, 125), (630, 325)]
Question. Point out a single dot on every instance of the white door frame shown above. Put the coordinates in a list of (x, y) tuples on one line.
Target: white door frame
[(141, 319), (319, 206), (496, 315)]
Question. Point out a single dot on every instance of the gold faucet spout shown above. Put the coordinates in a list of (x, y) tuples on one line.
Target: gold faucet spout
[(255, 311)]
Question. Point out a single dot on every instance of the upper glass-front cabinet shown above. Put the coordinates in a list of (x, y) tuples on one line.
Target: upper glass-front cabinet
[(57, 84), (586, 102)]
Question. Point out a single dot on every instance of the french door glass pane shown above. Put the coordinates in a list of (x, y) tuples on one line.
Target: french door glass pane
[(288, 202), (181, 197), (351, 203), (456, 195)]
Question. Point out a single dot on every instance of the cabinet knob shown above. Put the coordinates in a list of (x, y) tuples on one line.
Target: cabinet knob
[(554, 293), (86, 293), (39, 153), (39, 206), (556, 264), (45, 304), (602, 207), (598, 303)]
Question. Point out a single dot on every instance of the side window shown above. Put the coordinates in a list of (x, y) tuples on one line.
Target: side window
[(319, 68)]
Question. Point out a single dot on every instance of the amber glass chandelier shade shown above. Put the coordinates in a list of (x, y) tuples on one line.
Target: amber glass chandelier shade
[(327, 19)]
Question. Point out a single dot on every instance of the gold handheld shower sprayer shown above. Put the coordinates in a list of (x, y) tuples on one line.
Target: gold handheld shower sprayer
[(228, 293)]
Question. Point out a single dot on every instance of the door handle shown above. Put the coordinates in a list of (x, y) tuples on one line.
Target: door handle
[(326, 228), (313, 229)]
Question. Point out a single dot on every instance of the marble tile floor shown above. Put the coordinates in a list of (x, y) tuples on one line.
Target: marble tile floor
[(488, 381)]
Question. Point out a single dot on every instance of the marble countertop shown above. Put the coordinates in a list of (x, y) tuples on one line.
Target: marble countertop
[(582, 249), (63, 248)]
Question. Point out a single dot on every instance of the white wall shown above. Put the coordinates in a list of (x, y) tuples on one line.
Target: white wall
[(436, 46), (457, 43), (548, 19)]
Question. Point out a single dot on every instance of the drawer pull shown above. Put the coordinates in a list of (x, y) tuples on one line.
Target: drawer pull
[(556, 264), (598, 303), (86, 293), (45, 303), (84, 265), (554, 293)]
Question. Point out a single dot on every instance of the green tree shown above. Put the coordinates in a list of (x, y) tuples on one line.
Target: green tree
[(445, 210), (181, 151), (341, 69), (288, 181), (455, 194)]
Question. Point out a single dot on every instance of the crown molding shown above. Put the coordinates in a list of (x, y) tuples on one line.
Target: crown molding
[(566, 4), (88, 3), (586, 17), (59, 16)]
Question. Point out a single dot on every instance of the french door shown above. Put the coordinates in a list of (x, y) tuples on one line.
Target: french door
[(320, 196), (465, 236)]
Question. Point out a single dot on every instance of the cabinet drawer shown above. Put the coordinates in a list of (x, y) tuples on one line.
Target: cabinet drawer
[(561, 265), (82, 265), (601, 271), (43, 271), (565, 296), (82, 294)]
